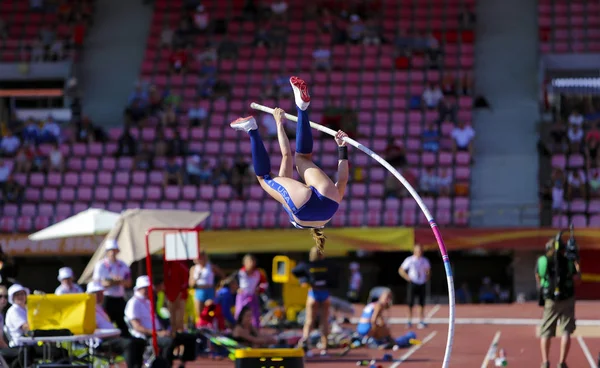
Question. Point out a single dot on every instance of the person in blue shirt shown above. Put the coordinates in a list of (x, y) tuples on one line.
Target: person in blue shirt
[(320, 275), (226, 299)]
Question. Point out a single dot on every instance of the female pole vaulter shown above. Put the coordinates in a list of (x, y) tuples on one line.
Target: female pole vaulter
[(311, 205)]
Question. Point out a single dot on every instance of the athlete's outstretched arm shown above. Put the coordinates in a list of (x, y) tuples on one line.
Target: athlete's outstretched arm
[(287, 165), (343, 171)]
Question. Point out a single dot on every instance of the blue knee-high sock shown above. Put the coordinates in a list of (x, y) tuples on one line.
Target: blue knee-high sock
[(304, 139), (260, 157)]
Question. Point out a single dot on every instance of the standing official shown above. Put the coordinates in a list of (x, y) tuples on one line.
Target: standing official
[(416, 269), (114, 275)]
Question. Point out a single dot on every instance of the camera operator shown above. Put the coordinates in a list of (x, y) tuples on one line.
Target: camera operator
[(555, 274)]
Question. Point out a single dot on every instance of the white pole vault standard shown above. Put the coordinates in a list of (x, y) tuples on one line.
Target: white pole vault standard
[(417, 197)]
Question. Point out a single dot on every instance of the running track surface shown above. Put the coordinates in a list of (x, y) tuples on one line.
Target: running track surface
[(471, 341)]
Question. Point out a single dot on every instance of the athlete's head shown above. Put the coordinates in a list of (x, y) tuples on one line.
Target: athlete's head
[(319, 238), (315, 254), (249, 262), (418, 250), (386, 298)]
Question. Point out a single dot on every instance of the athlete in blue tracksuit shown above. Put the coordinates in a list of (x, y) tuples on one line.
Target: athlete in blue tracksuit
[(226, 299), (321, 276)]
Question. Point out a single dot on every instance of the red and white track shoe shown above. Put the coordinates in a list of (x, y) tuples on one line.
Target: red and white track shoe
[(301, 95), (246, 124)]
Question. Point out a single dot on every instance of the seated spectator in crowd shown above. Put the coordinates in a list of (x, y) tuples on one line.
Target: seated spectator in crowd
[(431, 138), (197, 115), (9, 145), (67, 285), (262, 37), (211, 316), (239, 175), (126, 144), (209, 54), (432, 96), (9, 354), (139, 94), (156, 101), (222, 173), (166, 37), (395, 154), (207, 68), (576, 119), (160, 144), (278, 33), (31, 131), (393, 188), (558, 135), (38, 53), (176, 146), (193, 169), (3, 29), (448, 109), (326, 21), (144, 158), (463, 294), (557, 192), (87, 132), (57, 51), (592, 151), (279, 9), (246, 334), (24, 159), (487, 294), (136, 112), (428, 183), (594, 182), (17, 326), (169, 117), (449, 86), (575, 138), (433, 53), (372, 33), (576, 181), (269, 125), (463, 138), (201, 18), (466, 19), (50, 131), (355, 30), (132, 349), (5, 172), (445, 182), (55, 159), (227, 49), (183, 34), (173, 175), (137, 313), (221, 89), (178, 60), (12, 191), (322, 59)]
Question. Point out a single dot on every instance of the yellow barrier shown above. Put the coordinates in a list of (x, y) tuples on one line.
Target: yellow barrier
[(267, 358), (294, 294)]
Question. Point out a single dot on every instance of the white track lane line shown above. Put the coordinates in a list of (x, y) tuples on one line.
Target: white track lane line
[(432, 312), (413, 350), (586, 352), (487, 357)]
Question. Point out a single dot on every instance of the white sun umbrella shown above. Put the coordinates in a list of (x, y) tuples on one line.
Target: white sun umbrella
[(92, 221)]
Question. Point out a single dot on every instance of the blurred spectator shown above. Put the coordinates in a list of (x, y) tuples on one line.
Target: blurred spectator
[(169, 117), (221, 89), (557, 190), (239, 175), (576, 184), (269, 125), (222, 173), (50, 131), (448, 109), (197, 115), (594, 182), (209, 54), (326, 21), (144, 158), (463, 137), (139, 94), (57, 51), (24, 159), (558, 135), (5, 172), (160, 144), (227, 49), (431, 138), (37, 51), (183, 33), (262, 37), (428, 183), (576, 119), (463, 294), (372, 32), (592, 153), (172, 173), (135, 112), (178, 60), (126, 145), (3, 29), (395, 154), (466, 85), (575, 138), (10, 144), (355, 30), (466, 19), (207, 68), (65, 11), (166, 37), (201, 18), (194, 170), (433, 53), (445, 182), (31, 131), (410, 176), (279, 9), (322, 59), (176, 145), (449, 85), (487, 294), (155, 101), (36, 5), (12, 191), (88, 132), (47, 36), (78, 32), (55, 159), (432, 96), (278, 33)]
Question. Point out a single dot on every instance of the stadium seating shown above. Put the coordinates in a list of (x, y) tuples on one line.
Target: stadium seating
[(569, 26), (363, 77)]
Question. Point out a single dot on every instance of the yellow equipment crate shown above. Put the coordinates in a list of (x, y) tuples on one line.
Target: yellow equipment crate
[(269, 358), (74, 312), (294, 294)]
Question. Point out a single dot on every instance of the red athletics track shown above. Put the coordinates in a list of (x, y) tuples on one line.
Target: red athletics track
[(513, 323)]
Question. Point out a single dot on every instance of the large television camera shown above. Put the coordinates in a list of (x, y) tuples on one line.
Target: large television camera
[(569, 249)]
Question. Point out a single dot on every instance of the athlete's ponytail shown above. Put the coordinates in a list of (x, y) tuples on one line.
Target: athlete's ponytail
[(319, 239)]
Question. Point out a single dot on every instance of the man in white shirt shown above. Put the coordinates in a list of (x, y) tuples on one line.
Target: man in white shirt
[(416, 270), (114, 275), (463, 137), (9, 354), (9, 144), (139, 315), (432, 96), (132, 349), (67, 286)]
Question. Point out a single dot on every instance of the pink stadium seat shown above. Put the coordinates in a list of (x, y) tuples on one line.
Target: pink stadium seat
[(463, 158), (236, 206), (32, 194), (156, 178), (166, 205), (49, 195), (109, 164), (594, 221), (218, 206), (443, 216), (119, 194), (122, 178), (189, 192), (105, 178), (81, 206), (115, 207), (54, 179), (594, 206), (376, 190), (172, 193), (11, 210), (578, 205), (251, 220), (201, 206), (86, 179), (579, 221), (268, 220), (28, 209), (101, 194), (153, 193), (70, 179), (136, 193), (64, 209), (358, 190), (253, 206), (24, 224), (37, 180), (462, 173), (79, 149), (45, 209), (95, 149), (207, 192), (41, 222), (575, 161), (224, 192), (91, 164), (84, 194), (7, 224), (139, 178), (149, 205)]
